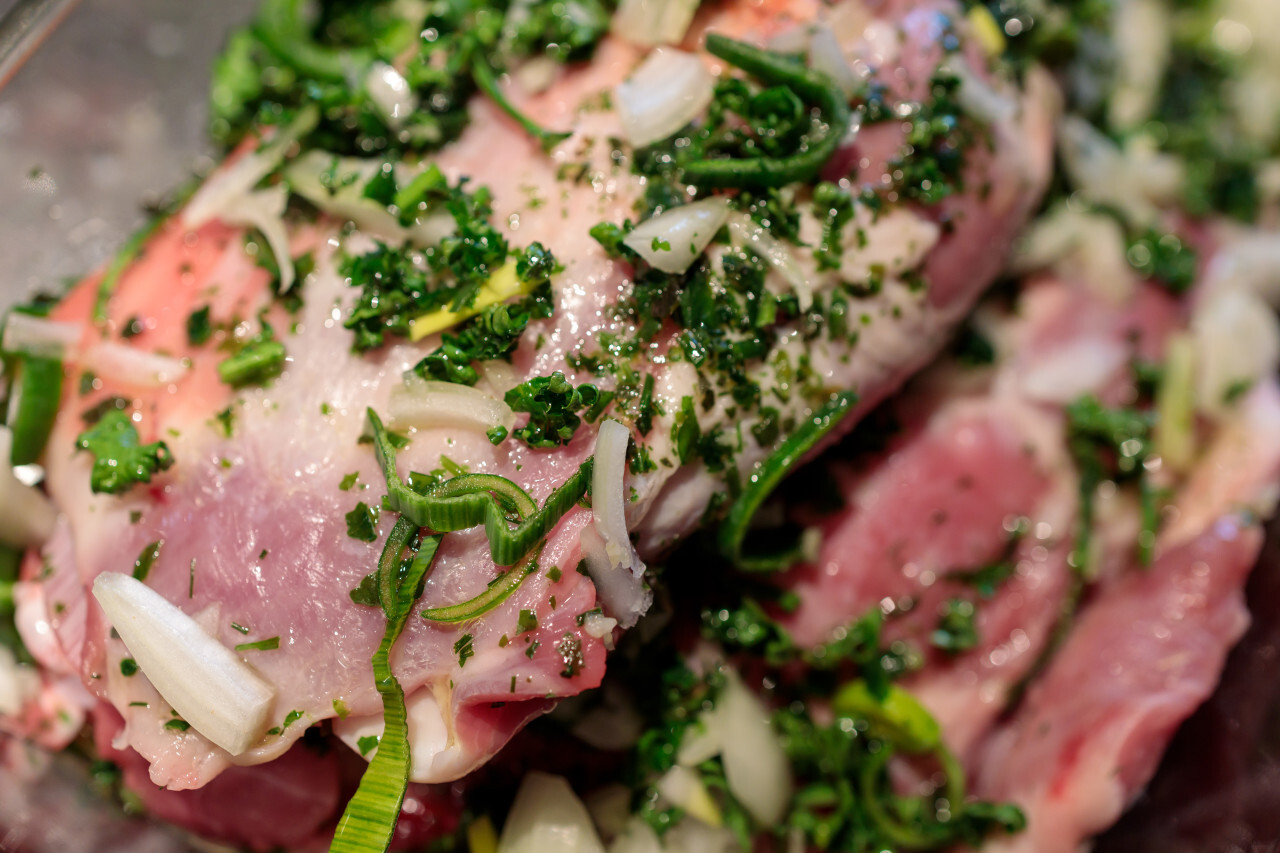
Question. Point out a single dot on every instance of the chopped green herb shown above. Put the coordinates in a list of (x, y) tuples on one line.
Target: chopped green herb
[(362, 522), (120, 461), (269, 644), (146, 559), (128, 667)]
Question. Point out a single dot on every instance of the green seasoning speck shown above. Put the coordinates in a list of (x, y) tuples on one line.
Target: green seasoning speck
[(340, 708), (348, 481), (146, 559), (129, 667), (464, 649), (362, 522), (120, 460), (177, 725), (367, 744), (260, 646), (241, 628), (291, 718), (527, 622), (199, 328)]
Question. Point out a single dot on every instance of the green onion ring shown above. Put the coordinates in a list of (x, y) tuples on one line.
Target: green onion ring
[(770, 172)]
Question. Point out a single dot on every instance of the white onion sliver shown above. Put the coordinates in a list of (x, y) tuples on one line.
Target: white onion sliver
[(36, 336), (224, 185), (547, 815), (672, 240), (745, 231), (826, 55), (26, 515), (133, 366), (615, 567), (979, 98), (621, 594), (755, 765), (218, 694), (264, 210), (1237, 341), (427, 404), (653, 22), (670, 89), (391, 94), (683, 787)]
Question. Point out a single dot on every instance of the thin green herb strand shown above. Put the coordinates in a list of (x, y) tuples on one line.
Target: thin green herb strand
[(467, 501), (369, 821), (770, 172), (733, 532), (496, 593), (487, 82)]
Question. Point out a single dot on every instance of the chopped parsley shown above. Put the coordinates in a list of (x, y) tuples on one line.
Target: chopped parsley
[(146, 559), (553, 404), (120, 461), (362, 522)]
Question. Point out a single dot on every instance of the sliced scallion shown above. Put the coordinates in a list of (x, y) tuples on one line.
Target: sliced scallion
[(369, 821), (469, 500), (37, 391), (733, 532)]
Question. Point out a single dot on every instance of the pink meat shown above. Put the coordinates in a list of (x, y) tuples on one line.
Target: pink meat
[(253, 525), (1137, 663)]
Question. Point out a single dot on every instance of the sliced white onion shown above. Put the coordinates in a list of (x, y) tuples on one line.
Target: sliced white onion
[(701, 741), (436, 755), (1102, 172), (217, 693), (1252, 263), (1084, 247), (598, 625), (745, 231), (978, 98), (670, 89), (672, 240), (1142, 33), (391, 94), (226, 184), (848, 20), (346, 200), (1237, 340), (428, 404), (133, 366), (264, 210), (26, 515), (755, 764), (547, 815), (826, 55), (615, 568), (682, 787), (636, 837), (653, 22), (36, 336)]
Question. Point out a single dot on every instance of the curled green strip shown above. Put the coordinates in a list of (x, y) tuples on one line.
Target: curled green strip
[(36, 393), (487, 82), (468, 500), (768, 172), (369, 821), (733, 532), (497, 592)]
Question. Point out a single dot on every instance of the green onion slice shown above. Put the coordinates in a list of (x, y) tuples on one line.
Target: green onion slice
[(733, 532), (369, 821), (469, 500), (768, 172), (496, 593), (37, 391)]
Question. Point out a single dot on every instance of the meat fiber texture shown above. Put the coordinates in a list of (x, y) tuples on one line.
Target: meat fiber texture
[(982, 452), (252, 523)]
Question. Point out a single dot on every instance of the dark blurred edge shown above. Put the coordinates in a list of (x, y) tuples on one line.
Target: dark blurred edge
[(1218, 787)]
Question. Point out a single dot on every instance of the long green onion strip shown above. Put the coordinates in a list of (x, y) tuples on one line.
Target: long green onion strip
[(369, 821), (733, 532), (824, 139), (469, 500), (36, 393), (485, 80)]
